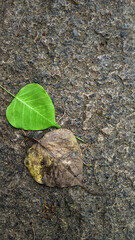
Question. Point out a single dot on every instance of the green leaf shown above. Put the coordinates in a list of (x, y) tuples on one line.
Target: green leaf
[(31, 109)]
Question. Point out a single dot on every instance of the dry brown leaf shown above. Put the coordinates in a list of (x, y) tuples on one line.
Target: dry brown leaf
[(57, 161)]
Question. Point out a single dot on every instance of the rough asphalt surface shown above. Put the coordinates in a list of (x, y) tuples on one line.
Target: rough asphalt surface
[(83, 55)]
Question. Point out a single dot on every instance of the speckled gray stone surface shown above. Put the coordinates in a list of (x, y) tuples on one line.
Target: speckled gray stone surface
[(83, 55)]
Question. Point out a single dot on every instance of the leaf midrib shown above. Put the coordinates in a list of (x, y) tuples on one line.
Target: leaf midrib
[(33, 109)]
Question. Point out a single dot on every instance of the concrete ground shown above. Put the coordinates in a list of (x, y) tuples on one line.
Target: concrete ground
[(83, 55)]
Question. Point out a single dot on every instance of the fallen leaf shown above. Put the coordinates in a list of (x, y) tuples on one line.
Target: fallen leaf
[(31, 109), (57, 160)]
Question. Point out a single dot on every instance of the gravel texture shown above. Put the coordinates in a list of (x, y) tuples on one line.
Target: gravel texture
[(83, 55)]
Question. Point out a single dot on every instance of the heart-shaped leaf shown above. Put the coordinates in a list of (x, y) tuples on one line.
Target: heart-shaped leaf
[(32, 109), (57, 160)]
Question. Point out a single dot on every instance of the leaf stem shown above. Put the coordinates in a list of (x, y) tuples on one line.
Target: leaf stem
[(57, 126), (8, 91), (81, 140)]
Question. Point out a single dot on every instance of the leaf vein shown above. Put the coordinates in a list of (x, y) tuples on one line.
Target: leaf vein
[(33, 110)]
